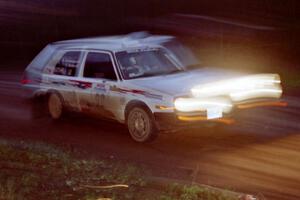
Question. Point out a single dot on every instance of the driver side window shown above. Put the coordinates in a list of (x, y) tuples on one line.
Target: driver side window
[(99, 65)]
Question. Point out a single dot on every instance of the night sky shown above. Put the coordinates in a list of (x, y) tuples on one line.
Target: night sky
[(26, 26)]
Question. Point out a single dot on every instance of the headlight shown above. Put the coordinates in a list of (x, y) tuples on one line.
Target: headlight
[(197, 104), (253, 86)]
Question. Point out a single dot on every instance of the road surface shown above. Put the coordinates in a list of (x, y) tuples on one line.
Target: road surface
[(259, 155)]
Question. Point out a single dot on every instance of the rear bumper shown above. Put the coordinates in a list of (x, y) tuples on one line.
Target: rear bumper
[(28, 91), (167, 121)]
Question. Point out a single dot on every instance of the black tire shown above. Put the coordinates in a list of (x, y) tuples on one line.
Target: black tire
[(55, 106), (141, 125)]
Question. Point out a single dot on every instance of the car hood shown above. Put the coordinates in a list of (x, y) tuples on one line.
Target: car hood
[(181, 83)]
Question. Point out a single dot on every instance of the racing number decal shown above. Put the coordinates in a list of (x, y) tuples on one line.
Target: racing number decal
[(100, 89), (99, 99)]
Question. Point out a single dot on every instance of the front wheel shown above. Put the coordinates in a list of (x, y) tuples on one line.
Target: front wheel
[(141, 126)]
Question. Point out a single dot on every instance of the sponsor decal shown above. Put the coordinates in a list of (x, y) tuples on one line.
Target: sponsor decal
[(100, 87), (140, 92), (81, 84)]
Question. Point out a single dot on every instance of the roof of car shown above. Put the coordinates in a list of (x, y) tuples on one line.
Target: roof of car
[(115, 43)]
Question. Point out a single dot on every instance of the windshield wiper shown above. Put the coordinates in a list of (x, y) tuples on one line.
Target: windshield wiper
[(146, 75), (174, 71), (158, 74)]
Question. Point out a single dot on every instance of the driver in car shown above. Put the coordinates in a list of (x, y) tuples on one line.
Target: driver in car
[(133, 69)]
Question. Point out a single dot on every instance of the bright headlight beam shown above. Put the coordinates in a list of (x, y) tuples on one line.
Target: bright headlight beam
[(196, 104), (239, 96), (247, 84)]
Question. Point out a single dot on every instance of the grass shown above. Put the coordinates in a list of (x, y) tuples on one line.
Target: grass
[(42, 171), (183, 192)]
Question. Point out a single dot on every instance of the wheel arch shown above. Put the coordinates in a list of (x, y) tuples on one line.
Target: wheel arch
[(136, 103), (52, 91), (42, 96), (153, 131)]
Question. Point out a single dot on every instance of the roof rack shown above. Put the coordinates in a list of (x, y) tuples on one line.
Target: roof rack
[(119, 41), (138, 35)]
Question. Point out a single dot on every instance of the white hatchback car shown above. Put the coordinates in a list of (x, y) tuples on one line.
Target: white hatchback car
[(147, 82)]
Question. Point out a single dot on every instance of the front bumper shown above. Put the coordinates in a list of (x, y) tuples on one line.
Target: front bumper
[(167, 121)]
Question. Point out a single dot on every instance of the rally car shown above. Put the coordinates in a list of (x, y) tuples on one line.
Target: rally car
[(148, 82)]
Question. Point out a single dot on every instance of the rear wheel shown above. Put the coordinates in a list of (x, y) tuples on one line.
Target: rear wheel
[(55, 106), (141, 126)]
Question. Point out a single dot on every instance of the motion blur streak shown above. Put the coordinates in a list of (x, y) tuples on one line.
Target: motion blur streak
[(201, 118), (253, 86), (197, 104), (251, 94), (259, 104), (164, 107)]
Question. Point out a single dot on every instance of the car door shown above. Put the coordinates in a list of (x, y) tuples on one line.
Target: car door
[(99, 71)]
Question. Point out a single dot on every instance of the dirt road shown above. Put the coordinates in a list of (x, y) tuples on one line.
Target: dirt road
[(258, 155)]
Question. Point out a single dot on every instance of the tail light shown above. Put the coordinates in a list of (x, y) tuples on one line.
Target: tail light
[(25, 79)]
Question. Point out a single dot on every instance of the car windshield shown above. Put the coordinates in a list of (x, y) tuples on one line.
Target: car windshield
[(144, 63), (182, 53)]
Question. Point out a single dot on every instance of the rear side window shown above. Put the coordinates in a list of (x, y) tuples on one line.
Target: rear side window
[(68, 64), (99, 65)]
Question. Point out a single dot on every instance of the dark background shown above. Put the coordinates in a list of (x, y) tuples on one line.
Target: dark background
[(249, 34)]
